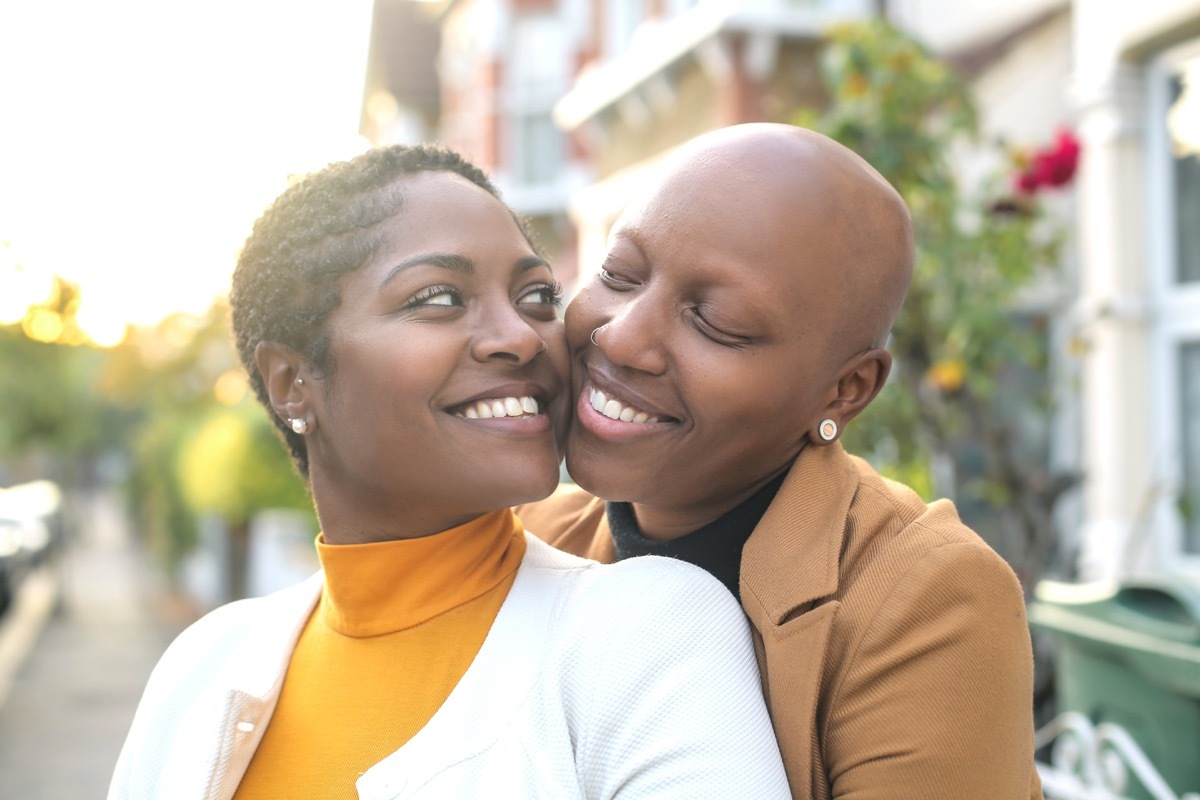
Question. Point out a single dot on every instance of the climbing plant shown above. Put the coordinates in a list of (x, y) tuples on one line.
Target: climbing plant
[(966, 411)]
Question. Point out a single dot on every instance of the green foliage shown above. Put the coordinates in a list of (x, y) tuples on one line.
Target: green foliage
[(50, 405), (193, 455), (48, 400), (151, 401), (234, 464), (43, 395), (897, 106), (164, 520), (970, 368)]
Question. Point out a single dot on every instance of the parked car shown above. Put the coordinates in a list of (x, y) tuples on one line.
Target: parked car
[(30, 530), (24, 544)]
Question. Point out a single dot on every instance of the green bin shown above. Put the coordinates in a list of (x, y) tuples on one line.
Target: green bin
[(1128, 655)]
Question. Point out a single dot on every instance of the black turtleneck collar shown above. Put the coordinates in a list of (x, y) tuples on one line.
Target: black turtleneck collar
[(717, 547)]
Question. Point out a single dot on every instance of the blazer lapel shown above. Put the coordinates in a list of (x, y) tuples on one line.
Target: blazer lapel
[(789, 575), (792, 664), (791, 559)]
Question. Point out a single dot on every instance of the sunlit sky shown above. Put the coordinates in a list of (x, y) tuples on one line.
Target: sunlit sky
[(139, 140)]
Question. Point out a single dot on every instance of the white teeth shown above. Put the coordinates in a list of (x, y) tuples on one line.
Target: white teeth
[(499, 407), (615, 409)]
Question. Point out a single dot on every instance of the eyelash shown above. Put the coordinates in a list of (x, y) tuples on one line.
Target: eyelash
[(423, 297), (616, 282), (715, 334), (552, 292)]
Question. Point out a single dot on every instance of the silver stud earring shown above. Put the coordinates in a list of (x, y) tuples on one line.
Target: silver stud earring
[(299, 381), (828, 430), (593, 336), (299, 425)]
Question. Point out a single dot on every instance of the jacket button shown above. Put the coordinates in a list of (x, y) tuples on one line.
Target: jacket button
[(245, 727)]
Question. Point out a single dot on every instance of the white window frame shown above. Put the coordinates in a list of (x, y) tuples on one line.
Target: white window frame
[(1174, 311), (526, 101)]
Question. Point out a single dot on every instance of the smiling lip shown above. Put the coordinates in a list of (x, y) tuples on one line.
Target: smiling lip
[(514, 408), (613, 417)]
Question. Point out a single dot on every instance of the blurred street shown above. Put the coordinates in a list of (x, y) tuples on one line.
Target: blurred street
[(75, 652)]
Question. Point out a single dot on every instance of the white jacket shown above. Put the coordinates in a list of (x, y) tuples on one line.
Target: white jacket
[(631, 680)]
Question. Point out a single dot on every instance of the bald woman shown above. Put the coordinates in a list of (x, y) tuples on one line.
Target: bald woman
[(735, 328)]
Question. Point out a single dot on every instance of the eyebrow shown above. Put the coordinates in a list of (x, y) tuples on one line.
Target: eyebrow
[(457, 263)]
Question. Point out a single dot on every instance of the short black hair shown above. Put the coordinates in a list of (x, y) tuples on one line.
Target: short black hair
[(286, 282)]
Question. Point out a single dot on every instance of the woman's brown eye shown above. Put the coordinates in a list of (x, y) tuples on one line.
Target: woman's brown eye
[(435, 296), (548, 294)]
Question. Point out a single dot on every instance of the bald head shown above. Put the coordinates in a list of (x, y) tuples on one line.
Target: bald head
[(741, 304), (856, 230)]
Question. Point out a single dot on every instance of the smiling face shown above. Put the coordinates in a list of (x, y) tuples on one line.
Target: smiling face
[(448, 372), (722, 340)]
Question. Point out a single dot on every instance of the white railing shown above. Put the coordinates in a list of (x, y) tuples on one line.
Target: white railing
[(1094, 762)]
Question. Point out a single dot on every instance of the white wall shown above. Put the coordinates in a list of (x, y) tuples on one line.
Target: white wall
[(947, 25)]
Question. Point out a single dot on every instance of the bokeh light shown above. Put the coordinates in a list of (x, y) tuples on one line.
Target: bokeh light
[(230, 387), (101, 328), (43, 325)]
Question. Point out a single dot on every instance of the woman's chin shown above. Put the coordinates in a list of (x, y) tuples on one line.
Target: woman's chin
[(536, 487)]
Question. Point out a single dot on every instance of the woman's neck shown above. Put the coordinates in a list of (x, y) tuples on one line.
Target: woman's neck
[(667, 523)]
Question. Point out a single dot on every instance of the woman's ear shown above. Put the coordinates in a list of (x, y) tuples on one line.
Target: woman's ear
[(858, 384), (281, 369)]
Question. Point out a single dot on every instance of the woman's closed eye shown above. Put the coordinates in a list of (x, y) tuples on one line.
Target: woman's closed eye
[(717, 335), (614, 279)]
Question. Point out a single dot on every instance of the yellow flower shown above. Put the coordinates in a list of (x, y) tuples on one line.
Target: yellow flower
[(856, 85), (948, 374)]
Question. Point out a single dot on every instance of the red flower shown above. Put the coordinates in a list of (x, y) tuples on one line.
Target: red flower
[(1027, 182), (1053, 166)]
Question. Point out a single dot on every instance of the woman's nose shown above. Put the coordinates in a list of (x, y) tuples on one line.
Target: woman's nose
[(632, 334), (504, 334)]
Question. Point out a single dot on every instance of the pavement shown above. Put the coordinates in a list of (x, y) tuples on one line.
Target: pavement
[(76, 649)]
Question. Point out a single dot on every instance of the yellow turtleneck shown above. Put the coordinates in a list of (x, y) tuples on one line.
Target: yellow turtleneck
[(396, 628)]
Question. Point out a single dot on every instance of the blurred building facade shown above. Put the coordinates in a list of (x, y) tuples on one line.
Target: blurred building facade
[(570, 104), (1135, 87)]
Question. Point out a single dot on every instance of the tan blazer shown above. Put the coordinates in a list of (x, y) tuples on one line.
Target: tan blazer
[(892, 640)]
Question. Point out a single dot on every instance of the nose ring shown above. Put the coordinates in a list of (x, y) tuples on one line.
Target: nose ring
[(593, 336)]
